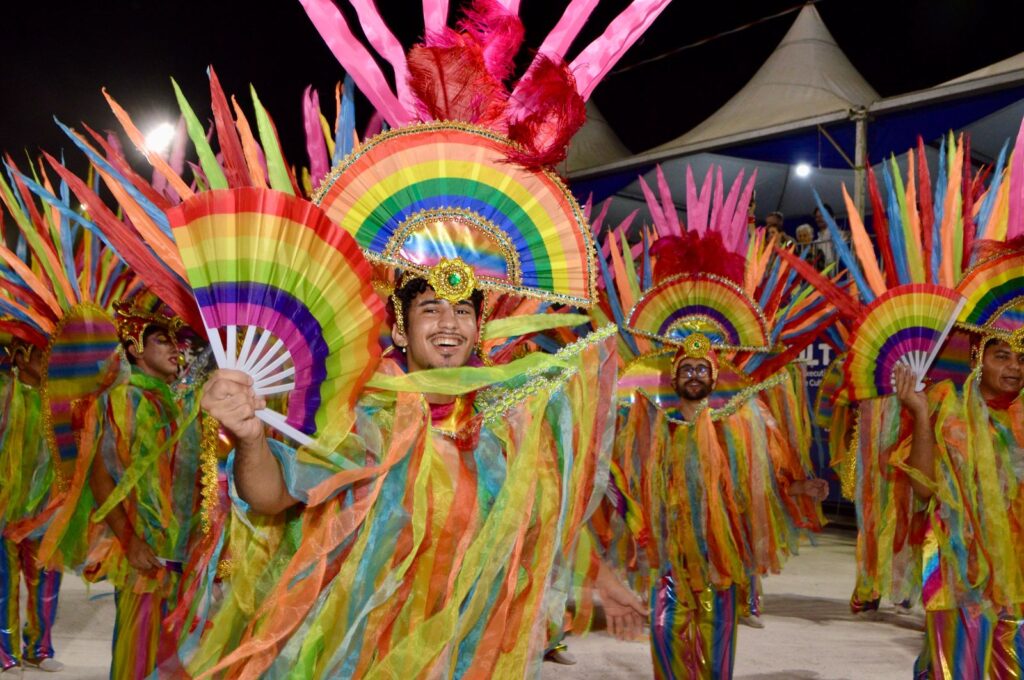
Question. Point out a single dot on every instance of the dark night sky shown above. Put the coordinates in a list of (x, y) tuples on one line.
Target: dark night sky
[(57, 56)]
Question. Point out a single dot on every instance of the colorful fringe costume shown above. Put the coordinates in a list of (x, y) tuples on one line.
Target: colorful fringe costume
[(55, 290), (973, 568), (961, 548), (708, 502), (147, 438), (901, 310), (26, 477), (433, 541)]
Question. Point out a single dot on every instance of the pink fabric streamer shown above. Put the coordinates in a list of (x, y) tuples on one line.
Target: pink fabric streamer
[(594, 62), (374, 126), (697, 206), (601, 217), (316, 147), (668, 206), (435, 16), (717, 201), (356, 60), (510, 5), (558, 41), (734, 218), (387, 45), (1015, 225), (655, 208), (617, 232)]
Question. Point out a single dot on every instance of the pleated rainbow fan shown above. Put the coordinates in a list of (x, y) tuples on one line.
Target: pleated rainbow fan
[(285, 297), (906, 325)]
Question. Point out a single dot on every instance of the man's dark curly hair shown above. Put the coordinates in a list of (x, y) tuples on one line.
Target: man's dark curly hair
[(413, 286)]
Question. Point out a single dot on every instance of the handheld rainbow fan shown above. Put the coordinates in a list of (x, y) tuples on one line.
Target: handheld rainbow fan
[(687, 303), (908, 325), (414, 195), (290, 293)]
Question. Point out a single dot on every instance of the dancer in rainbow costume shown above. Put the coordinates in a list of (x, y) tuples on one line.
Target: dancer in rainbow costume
[(28, 473), (714, 496), (428, 523), (57, 286), (936, 481), (973, 566), (142, 440)]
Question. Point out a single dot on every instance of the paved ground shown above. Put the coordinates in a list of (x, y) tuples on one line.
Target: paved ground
[(809, 634)]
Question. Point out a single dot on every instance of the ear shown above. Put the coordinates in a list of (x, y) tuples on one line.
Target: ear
[(134, 351), (398, 336)]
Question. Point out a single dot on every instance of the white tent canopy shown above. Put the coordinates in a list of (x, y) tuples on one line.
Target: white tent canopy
[(806, 86), (807, 80), (595, 144)]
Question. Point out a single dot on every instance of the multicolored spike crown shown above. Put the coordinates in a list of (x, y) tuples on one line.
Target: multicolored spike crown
[(416, 196)]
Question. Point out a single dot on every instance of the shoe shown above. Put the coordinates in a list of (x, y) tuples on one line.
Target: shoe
[(50, 665), (12, 672), (561, 656), (752, 621), (904, 608)]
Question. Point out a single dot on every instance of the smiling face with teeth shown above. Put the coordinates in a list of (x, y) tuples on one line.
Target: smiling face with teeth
[(438, 333)]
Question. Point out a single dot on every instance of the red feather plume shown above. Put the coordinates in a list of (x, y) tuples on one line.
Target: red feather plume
[(689, 254), (497, 31), (450, 79), (545, 114)]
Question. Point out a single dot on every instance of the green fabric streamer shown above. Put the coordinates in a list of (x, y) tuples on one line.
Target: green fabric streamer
[(454, 381), (515, 326), (35, 243), (196, 132), (465, 379), (146, 423), (277, 171)]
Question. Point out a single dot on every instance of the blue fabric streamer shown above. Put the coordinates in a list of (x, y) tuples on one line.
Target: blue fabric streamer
[(68, 233), (990, 198), (346, 125), (156, 214), (616, 306), (939, 205), (844, 251), (897, 240)]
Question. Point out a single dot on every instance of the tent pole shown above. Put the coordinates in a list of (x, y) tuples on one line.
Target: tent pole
[(860, 119)]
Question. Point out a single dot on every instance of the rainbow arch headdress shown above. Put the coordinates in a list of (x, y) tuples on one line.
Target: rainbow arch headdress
[(705, 279), (684, 308), (993, 290), (425, 195), (465, 176)]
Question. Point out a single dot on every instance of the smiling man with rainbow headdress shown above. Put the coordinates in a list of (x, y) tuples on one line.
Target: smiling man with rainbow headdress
[(436, 539), (714, 491)]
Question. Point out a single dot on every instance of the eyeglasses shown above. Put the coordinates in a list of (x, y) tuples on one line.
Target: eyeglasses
[(690, 371)]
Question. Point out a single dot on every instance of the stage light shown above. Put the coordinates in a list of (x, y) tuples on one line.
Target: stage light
[(159, 138), (803, 170)]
